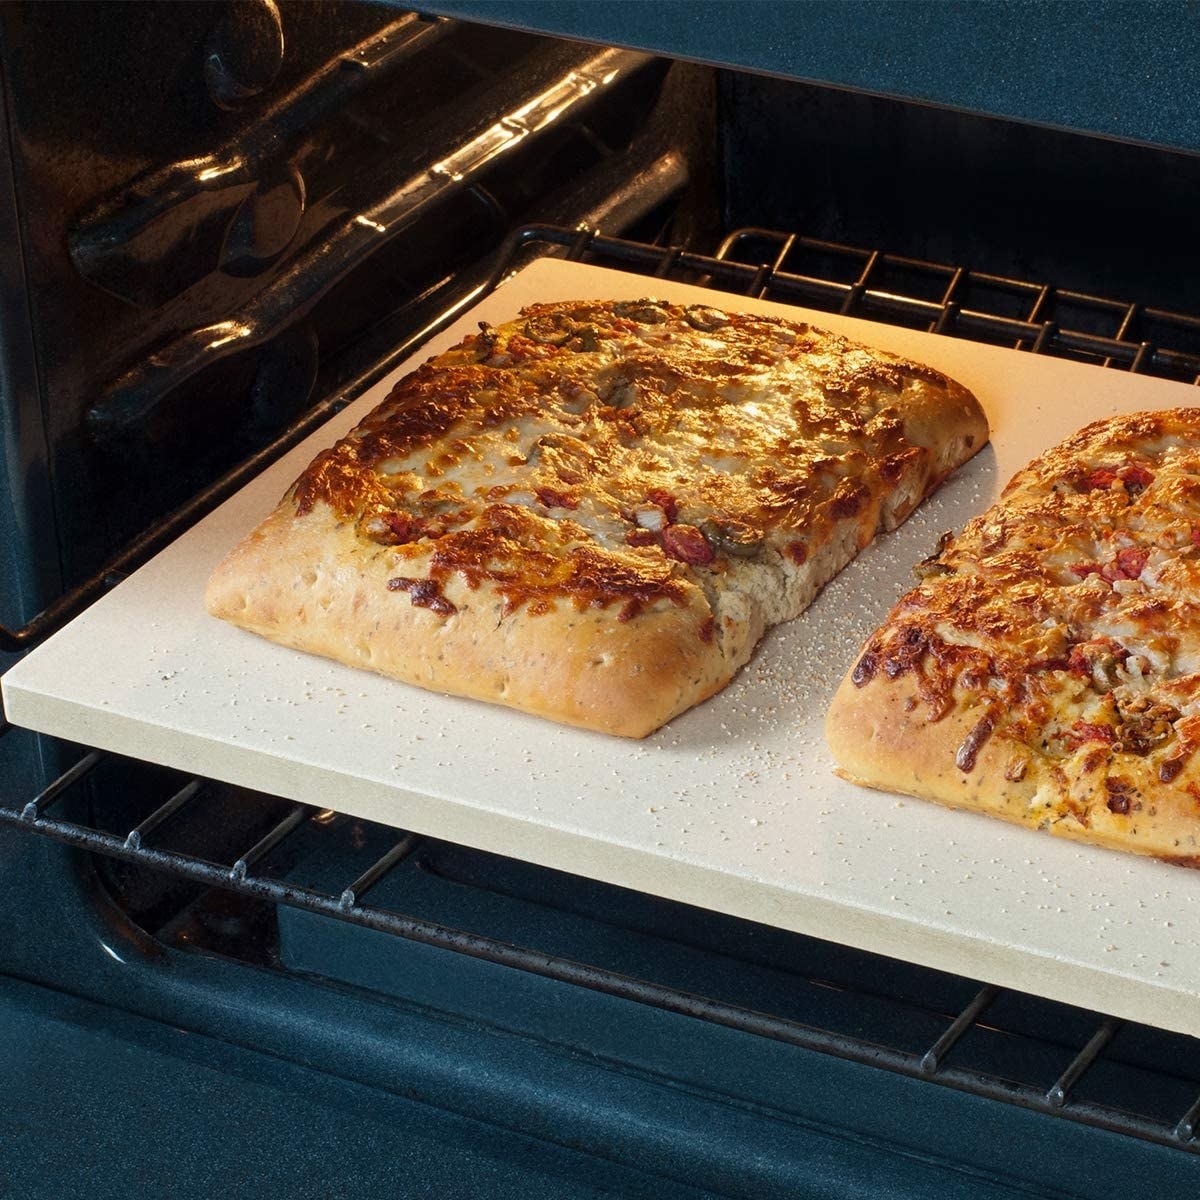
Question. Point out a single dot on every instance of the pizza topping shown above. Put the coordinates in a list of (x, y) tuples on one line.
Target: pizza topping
[(968, 752), (665, 501), (1015, 769), (651, 517), (740, 540), (1099, 660), (864, 669), (700, 316), (552, 498), (644, 312), (1120, 793), (1169, 768), (687, 544), (932, 565), (1131, 561), (553, 329), (1144, 732), (1133, 479), (1128, 563), (1088, 731), (394, 528), (424, 593)]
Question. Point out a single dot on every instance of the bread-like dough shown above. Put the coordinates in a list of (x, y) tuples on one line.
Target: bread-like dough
[(1047, 671), (593, 513)]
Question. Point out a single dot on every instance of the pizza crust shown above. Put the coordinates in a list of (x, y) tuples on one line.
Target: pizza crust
[(658, 515), (1000, 685), (881, 740), (305, 582)]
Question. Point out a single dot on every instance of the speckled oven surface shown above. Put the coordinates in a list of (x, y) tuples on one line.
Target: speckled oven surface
[(732, 806)]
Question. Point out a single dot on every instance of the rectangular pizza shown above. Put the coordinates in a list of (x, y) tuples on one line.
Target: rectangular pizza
[(593, 512), (1047, 668)]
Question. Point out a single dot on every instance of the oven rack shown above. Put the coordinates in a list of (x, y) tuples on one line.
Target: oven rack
[(763, 263), (251, 875)]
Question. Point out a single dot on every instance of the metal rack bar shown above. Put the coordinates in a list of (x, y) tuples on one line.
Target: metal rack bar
[(570, 971), (135, 837), (1127, 321), (858, 289), (1021, 287), (44, 799), (933, 1058), (374, 873), (950, 305), (757, 280), (1056, 1097), (288, 825)]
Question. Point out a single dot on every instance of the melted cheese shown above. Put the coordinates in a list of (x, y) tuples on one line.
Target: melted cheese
[(1074, 604), (669, 441)]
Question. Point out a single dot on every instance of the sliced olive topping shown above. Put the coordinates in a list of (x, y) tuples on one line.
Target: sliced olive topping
[(551, 329), (733, 538), (700, 316), (645, 312)]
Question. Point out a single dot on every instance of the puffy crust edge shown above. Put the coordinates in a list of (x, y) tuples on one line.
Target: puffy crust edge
[(309, 582), (880, 738)]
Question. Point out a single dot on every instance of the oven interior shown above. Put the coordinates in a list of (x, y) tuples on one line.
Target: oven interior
[(319, 188)]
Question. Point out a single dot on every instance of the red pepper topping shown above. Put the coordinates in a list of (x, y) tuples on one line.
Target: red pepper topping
[(687, 544), (1089, 731), (555, 499), (666, 502), (1132, 561), (1129, 563), (1100, 479), (1136, 478)]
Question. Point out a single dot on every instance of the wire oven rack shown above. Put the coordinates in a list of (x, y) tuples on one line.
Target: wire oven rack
[(781, 266)]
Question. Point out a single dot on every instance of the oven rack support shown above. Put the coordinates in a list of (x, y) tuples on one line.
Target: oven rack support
[(772, 264), (934, 1064)]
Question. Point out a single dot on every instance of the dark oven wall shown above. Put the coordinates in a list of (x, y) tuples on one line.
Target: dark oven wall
[(1027, 201)]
